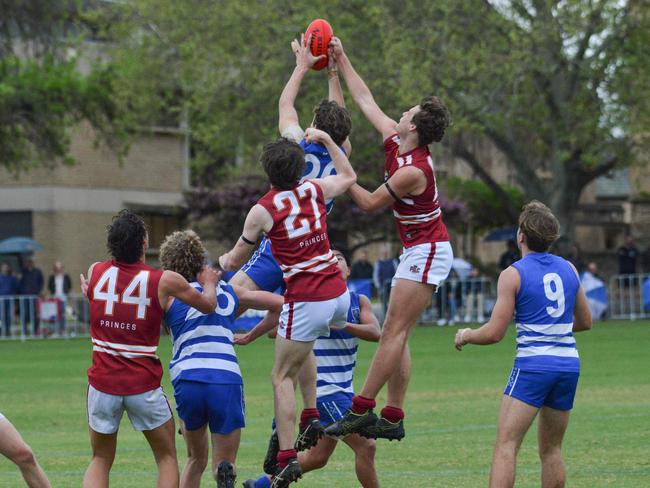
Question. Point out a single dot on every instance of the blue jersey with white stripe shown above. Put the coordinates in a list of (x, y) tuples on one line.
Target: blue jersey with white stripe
[(336, 356), (544, 314), (203, 343), (318, 164)]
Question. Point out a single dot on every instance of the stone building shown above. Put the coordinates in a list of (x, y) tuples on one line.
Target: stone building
[(68, 208)]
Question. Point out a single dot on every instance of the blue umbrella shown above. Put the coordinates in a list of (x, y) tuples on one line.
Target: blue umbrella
[(19, 245), (505, 234)]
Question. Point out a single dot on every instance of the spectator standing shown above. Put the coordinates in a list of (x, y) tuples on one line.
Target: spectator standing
[(31, 283), (448, 299), (382, 276), (361, 268), (575, 258), (510, 255), (627, 257), (8, 288), (59, 285), (475, 299)]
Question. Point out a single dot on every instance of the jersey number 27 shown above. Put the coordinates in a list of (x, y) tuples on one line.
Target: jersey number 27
[(306, 191)]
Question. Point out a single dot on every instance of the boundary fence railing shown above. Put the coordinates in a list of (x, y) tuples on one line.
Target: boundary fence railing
[(457, 301)]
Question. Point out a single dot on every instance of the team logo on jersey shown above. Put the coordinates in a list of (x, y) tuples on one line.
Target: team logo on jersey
[(356, 315), (414, 269)]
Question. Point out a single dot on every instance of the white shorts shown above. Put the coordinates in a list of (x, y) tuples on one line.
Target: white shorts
[(2, 417), (307, 321), (428, 263), (146, 410)]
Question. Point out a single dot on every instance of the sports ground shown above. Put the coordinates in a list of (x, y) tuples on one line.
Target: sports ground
[(451, 408)]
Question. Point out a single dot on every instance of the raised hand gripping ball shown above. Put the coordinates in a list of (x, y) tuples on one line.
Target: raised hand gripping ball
[(321, 34)]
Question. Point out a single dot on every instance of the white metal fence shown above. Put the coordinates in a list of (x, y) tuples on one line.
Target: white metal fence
[(466, 301), (629, 296), (29, 316)]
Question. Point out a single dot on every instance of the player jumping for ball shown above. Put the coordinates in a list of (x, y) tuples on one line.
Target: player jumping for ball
[(410, 187), (549, 304), (293, 215), (262, 271), (127, 302)]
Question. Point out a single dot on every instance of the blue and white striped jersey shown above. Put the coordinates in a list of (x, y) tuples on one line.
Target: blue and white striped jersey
[(203, 343), (336, 356), (544, 314)]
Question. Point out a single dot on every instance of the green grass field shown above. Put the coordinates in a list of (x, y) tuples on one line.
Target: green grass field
[(451, 414)]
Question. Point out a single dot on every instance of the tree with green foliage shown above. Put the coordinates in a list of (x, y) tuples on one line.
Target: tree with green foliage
[(559, 88), (43, 93)]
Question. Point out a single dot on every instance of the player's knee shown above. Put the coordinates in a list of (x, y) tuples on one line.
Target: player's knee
[(199, 460), (319, 459), (24, 456), (366, 452), (547, 452)]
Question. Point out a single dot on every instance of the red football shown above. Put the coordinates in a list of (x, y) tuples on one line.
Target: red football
[(321, 33)]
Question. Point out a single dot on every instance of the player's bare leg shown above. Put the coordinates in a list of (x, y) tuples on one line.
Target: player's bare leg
[(16, 450), (307, 383), (289, 358), (103, 447), (364, 460), (162, 442), (552, 425), (197, 456), (317, 456), (224, 455), (407, 302), (399, 381), (515, 418)]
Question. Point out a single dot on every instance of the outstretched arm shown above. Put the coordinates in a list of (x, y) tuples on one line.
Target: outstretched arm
[(258, 220), (267, 324), (405, 181), (361, 93), (504, 309), (337, 184), (368, 329), (257, 299), (335, 93), (288, 122)]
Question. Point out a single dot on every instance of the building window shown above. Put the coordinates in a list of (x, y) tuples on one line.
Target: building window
[(159, 226), (15, 224)]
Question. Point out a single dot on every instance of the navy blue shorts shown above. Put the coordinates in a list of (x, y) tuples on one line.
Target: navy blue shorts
[(554, 389), (220, 406), (333, 407), (263, 269)]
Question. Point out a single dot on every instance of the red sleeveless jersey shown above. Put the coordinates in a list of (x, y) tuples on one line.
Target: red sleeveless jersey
[(300, 244), (125, 318), (418, 218)]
